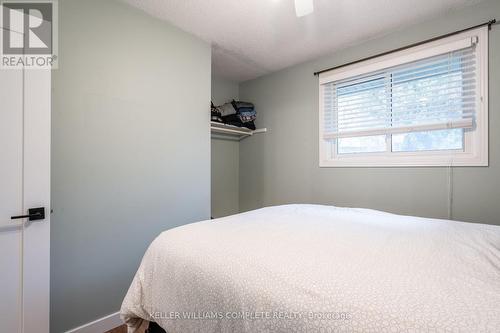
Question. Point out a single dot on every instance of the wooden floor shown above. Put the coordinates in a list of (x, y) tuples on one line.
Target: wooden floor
[(119, 329), (123, 329)]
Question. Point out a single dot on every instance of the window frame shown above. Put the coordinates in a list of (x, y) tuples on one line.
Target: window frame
[(475, 151)]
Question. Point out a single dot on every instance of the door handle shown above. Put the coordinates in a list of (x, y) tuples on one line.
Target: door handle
[(33, 214)]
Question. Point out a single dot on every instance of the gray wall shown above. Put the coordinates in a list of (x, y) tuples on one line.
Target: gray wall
[(224, 90), (281, 166), (225, 157), (130, 148)]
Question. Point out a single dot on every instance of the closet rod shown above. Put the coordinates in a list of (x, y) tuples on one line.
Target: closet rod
[(489, 24)]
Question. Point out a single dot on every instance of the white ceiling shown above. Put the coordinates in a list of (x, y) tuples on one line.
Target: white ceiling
[(251, 38)]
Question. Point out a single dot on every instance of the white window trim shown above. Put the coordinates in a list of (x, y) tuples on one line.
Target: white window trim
[(475, 142)]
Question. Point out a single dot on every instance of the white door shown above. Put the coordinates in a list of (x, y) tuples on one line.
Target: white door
[(24, 184)]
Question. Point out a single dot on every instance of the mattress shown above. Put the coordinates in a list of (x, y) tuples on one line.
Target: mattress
[(312, 268)]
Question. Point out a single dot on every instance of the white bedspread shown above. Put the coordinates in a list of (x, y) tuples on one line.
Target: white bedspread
[(310, 268)]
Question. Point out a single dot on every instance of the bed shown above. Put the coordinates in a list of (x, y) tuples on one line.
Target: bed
[(312, 268)]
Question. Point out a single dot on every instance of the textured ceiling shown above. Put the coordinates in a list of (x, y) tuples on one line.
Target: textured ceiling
[(251, 38)]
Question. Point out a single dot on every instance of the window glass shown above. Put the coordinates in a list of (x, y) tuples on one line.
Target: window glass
[(362, 144), (451, 139)]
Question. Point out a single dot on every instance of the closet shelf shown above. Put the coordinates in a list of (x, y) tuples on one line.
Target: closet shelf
[(237, 133)]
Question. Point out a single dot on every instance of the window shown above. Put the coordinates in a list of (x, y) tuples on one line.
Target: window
[(424, 106)]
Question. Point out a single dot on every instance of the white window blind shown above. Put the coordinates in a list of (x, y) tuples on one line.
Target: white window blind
[(432, 93)]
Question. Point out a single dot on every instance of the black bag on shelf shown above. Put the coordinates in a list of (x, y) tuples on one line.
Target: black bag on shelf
[(215, 114)]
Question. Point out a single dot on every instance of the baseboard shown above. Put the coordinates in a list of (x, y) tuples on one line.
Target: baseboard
[(100, 325)]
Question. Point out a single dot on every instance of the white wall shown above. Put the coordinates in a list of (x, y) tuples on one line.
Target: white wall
[(225, 157), (281, 166), (130, 150)]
